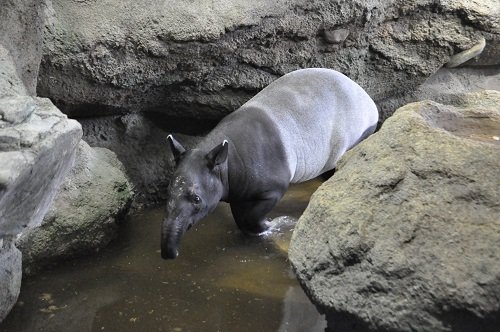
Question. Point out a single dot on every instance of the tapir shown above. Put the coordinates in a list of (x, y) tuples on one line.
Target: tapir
[(293, 130)]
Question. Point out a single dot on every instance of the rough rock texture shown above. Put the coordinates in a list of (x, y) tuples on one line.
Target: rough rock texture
[(21, 33), (406, 235), (446, 85), (35, 156), (85, 214), (203, 59), (37, 142), (10, 276), (37, 147), (140, 66), (140, 142), (139, 139)]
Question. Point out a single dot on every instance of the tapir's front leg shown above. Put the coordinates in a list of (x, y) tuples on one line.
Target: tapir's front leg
[(250, 215)]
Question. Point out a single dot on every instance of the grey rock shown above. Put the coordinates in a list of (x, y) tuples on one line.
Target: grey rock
[(15, 109), (405, 236), (336, 36), (10, 83), (139, 141), (85, 214), (446, 85), (30, 176), (37, 142), (204, 59), (21, 35), (489, 56), (10, 276)]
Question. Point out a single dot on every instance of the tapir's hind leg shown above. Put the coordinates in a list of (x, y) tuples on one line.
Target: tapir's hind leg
[(250, 215)]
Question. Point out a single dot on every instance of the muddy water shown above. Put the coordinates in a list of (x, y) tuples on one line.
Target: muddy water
[(222, 281)]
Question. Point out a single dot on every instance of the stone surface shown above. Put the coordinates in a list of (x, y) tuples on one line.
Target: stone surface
[(86, 211), (38, 153), (37, 146), (10, 276), (405, 236), (446, 85), (15, 109), (37, 142), (203, 59), (21, 34), (10, 84), (140, 142)]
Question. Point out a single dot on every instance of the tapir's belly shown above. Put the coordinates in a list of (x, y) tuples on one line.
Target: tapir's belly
[(319, 114)]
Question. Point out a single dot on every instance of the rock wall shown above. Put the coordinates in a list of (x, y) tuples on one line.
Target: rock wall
[(139, 141), (204, 59), (21, 33), (130, 72), (37, 141), (405, 236)]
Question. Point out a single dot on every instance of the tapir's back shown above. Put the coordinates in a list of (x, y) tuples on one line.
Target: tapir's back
[(319, 114)]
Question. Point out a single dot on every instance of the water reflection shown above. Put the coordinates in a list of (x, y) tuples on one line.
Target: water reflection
[(222, 281)]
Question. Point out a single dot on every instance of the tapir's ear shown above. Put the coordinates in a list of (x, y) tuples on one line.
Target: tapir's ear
[(218, 155), (176, 147)]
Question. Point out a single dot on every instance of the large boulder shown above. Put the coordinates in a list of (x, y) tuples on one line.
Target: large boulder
[(406, 235), (85, 214), (36, 150), (203, 59), (37, 141)]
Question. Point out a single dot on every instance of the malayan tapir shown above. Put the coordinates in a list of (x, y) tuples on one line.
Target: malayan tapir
[(292, 131)]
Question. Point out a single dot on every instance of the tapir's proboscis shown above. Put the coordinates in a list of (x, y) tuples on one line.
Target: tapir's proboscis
[(293, 130)]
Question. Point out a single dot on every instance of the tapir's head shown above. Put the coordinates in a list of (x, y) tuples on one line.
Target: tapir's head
[(195, 190)]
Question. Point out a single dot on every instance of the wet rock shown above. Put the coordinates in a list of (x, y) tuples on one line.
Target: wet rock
[(121, 57), (84, 217), (405, 236), (10, 276)]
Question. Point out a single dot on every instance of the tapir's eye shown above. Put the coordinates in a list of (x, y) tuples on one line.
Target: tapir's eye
[(196, 199)]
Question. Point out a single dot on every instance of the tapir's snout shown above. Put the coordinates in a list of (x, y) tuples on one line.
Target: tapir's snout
[(170, 238), (169, 253)]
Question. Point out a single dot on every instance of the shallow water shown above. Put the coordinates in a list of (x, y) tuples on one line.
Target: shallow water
[(221, 281)]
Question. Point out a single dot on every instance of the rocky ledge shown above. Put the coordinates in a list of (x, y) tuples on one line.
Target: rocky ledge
[(203, 59), (405, 236)]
